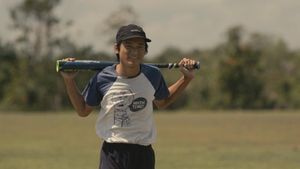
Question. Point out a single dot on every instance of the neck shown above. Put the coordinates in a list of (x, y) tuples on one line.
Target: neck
[(127, 71)]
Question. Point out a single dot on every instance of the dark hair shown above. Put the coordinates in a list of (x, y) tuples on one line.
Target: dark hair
[(118, 47)]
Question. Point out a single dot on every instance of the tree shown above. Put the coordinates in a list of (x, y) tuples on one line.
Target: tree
[(122, 16), (7, 67), (35, 84), (280, 73), (240, 80), (35, 21)]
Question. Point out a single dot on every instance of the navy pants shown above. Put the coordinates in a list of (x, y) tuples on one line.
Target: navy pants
[(126, 156)]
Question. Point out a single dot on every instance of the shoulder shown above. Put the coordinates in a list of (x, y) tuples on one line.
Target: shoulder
[(153, 75), (107, 74), (150, 70)]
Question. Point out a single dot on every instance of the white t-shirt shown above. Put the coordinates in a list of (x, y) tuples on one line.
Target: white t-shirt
[(126, 114)]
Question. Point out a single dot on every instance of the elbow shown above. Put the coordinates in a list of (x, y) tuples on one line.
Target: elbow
[(161, 105), (83, 113)]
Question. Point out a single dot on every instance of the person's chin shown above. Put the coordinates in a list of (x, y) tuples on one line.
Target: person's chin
[(133, 63)]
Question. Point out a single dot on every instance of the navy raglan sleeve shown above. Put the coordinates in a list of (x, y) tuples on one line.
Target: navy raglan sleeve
[(158, 82), (91, 93)]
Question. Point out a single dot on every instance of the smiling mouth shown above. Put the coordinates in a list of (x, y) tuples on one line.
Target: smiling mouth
[(133, 58), (133, 61)]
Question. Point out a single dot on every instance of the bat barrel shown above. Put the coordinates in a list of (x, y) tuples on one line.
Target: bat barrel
[(62, 65)]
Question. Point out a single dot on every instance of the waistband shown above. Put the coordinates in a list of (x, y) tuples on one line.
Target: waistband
[(125, 145)]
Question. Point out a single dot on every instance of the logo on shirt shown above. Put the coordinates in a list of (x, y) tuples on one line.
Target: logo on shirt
[(138, 104), (123, 101)]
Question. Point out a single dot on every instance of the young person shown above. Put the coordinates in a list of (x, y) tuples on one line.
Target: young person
[(126, 93)]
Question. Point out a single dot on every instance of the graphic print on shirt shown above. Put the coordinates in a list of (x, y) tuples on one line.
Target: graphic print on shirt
[(121, 100), (123, 104)]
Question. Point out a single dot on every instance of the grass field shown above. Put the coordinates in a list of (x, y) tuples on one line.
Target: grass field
[(238, 140)]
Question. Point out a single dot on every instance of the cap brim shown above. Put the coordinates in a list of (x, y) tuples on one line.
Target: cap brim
[(137, 36)]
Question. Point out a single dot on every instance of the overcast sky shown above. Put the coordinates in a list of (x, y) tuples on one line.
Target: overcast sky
[(186, 24)]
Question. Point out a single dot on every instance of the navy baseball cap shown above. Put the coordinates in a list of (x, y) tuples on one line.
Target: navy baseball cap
[(131, 31)]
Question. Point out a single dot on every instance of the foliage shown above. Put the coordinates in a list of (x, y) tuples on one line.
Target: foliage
[(124, 15), (35, 22), (249, 70), (8, 67), (240, 81)]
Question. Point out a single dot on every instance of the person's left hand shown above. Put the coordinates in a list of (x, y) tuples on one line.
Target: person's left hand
[(187, 68), (69, 75)]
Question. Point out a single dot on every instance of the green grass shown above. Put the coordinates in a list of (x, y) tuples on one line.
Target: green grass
[(252, 140)]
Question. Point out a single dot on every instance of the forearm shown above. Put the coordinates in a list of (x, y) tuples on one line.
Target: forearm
[(76, 98), (175, 90)]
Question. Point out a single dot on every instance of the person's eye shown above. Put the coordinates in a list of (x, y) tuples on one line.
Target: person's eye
[(141, 47), (128, 47)]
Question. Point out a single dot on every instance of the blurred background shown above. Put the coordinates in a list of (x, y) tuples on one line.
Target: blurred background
[(241, 111), (249, 50)]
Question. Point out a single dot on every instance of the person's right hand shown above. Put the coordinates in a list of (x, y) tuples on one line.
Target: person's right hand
[(69, 75)]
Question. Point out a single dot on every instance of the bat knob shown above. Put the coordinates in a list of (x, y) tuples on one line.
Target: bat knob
[(197, 65)]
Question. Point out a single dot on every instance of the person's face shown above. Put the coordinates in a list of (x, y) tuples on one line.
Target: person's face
[(132, 51)]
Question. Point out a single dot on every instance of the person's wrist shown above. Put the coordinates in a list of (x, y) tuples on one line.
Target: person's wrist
[(68, 79), (188, 77)]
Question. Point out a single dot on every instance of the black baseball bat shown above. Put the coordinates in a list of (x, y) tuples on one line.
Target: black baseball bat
[(93, 65)]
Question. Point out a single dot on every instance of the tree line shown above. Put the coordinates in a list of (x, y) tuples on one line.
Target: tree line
[(249, 70)]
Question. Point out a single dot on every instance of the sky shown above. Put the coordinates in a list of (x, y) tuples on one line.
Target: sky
[(186, 24)]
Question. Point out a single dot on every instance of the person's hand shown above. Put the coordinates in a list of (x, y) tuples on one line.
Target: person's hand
[(69, 75), (187, 68)]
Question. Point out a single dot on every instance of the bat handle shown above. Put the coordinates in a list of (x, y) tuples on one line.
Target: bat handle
[(197, 65), (176, 65)]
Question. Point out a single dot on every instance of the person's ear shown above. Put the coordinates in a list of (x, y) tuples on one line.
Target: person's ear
[(116, 49)]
